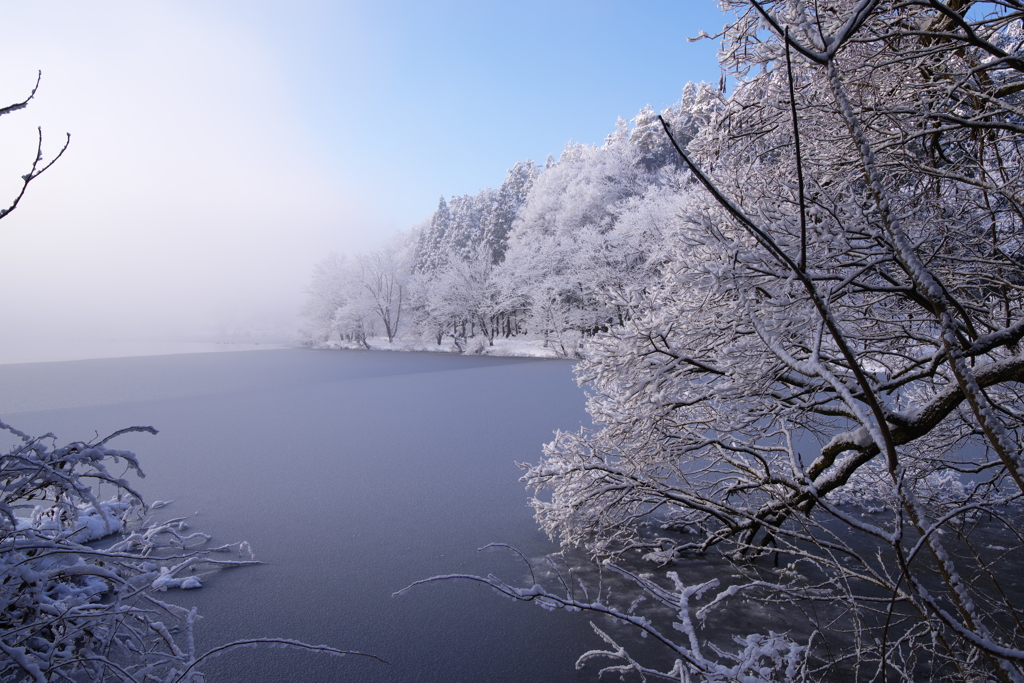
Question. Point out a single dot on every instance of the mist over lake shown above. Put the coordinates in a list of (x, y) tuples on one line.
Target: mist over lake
[(352, 474)]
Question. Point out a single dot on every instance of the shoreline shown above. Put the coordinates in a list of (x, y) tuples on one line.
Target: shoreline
[(502, 348), (18, 352)]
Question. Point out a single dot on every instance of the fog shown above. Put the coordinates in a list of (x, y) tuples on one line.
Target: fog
[(188, 200), (218, 152)]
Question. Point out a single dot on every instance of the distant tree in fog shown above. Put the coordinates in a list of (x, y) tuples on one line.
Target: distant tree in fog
[(355, 298), (384, 273), (326, 294)]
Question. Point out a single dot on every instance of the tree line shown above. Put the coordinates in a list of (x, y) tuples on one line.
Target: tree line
[(548, 256), (812, 370)]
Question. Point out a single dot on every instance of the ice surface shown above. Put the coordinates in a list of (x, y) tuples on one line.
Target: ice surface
[(352, 474)]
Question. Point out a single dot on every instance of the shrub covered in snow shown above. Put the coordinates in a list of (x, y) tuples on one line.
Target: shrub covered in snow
[(75, 609), (69, 606)]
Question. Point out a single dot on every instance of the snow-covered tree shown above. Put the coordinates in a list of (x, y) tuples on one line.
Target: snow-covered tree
[(463, 299), (506, 206), (431, 250), (578, 239), (461, 228), (653, 149), (824, 385), (557, 251), (339, 303), (383, 274), (356, 298), (326, 294)]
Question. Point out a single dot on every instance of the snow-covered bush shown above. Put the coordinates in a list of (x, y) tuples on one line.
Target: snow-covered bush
[(69, 607), (73, 609)]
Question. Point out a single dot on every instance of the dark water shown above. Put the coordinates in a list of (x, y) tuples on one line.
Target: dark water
[(352, 474)]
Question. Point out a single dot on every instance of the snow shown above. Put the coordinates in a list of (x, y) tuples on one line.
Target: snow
[(513, 347), (92, 524), (167, 580)]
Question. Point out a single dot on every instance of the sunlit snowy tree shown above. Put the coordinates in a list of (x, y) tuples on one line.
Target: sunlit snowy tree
[(564, 251), (461, 228), (824, 386), (462, 300)]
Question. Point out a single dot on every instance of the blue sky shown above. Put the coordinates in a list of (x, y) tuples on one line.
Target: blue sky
[(442, 98), (220, 149)]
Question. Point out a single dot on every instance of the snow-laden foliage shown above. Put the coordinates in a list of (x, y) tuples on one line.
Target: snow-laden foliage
[(570, 246), (536, 258), (74, 610), (84, 581), (460, 229), (838, 324)]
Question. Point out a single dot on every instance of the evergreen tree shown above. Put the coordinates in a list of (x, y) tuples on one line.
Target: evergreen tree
[(430, 250)]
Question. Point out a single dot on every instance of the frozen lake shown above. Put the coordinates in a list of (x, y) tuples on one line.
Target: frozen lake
[(351, 474)]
